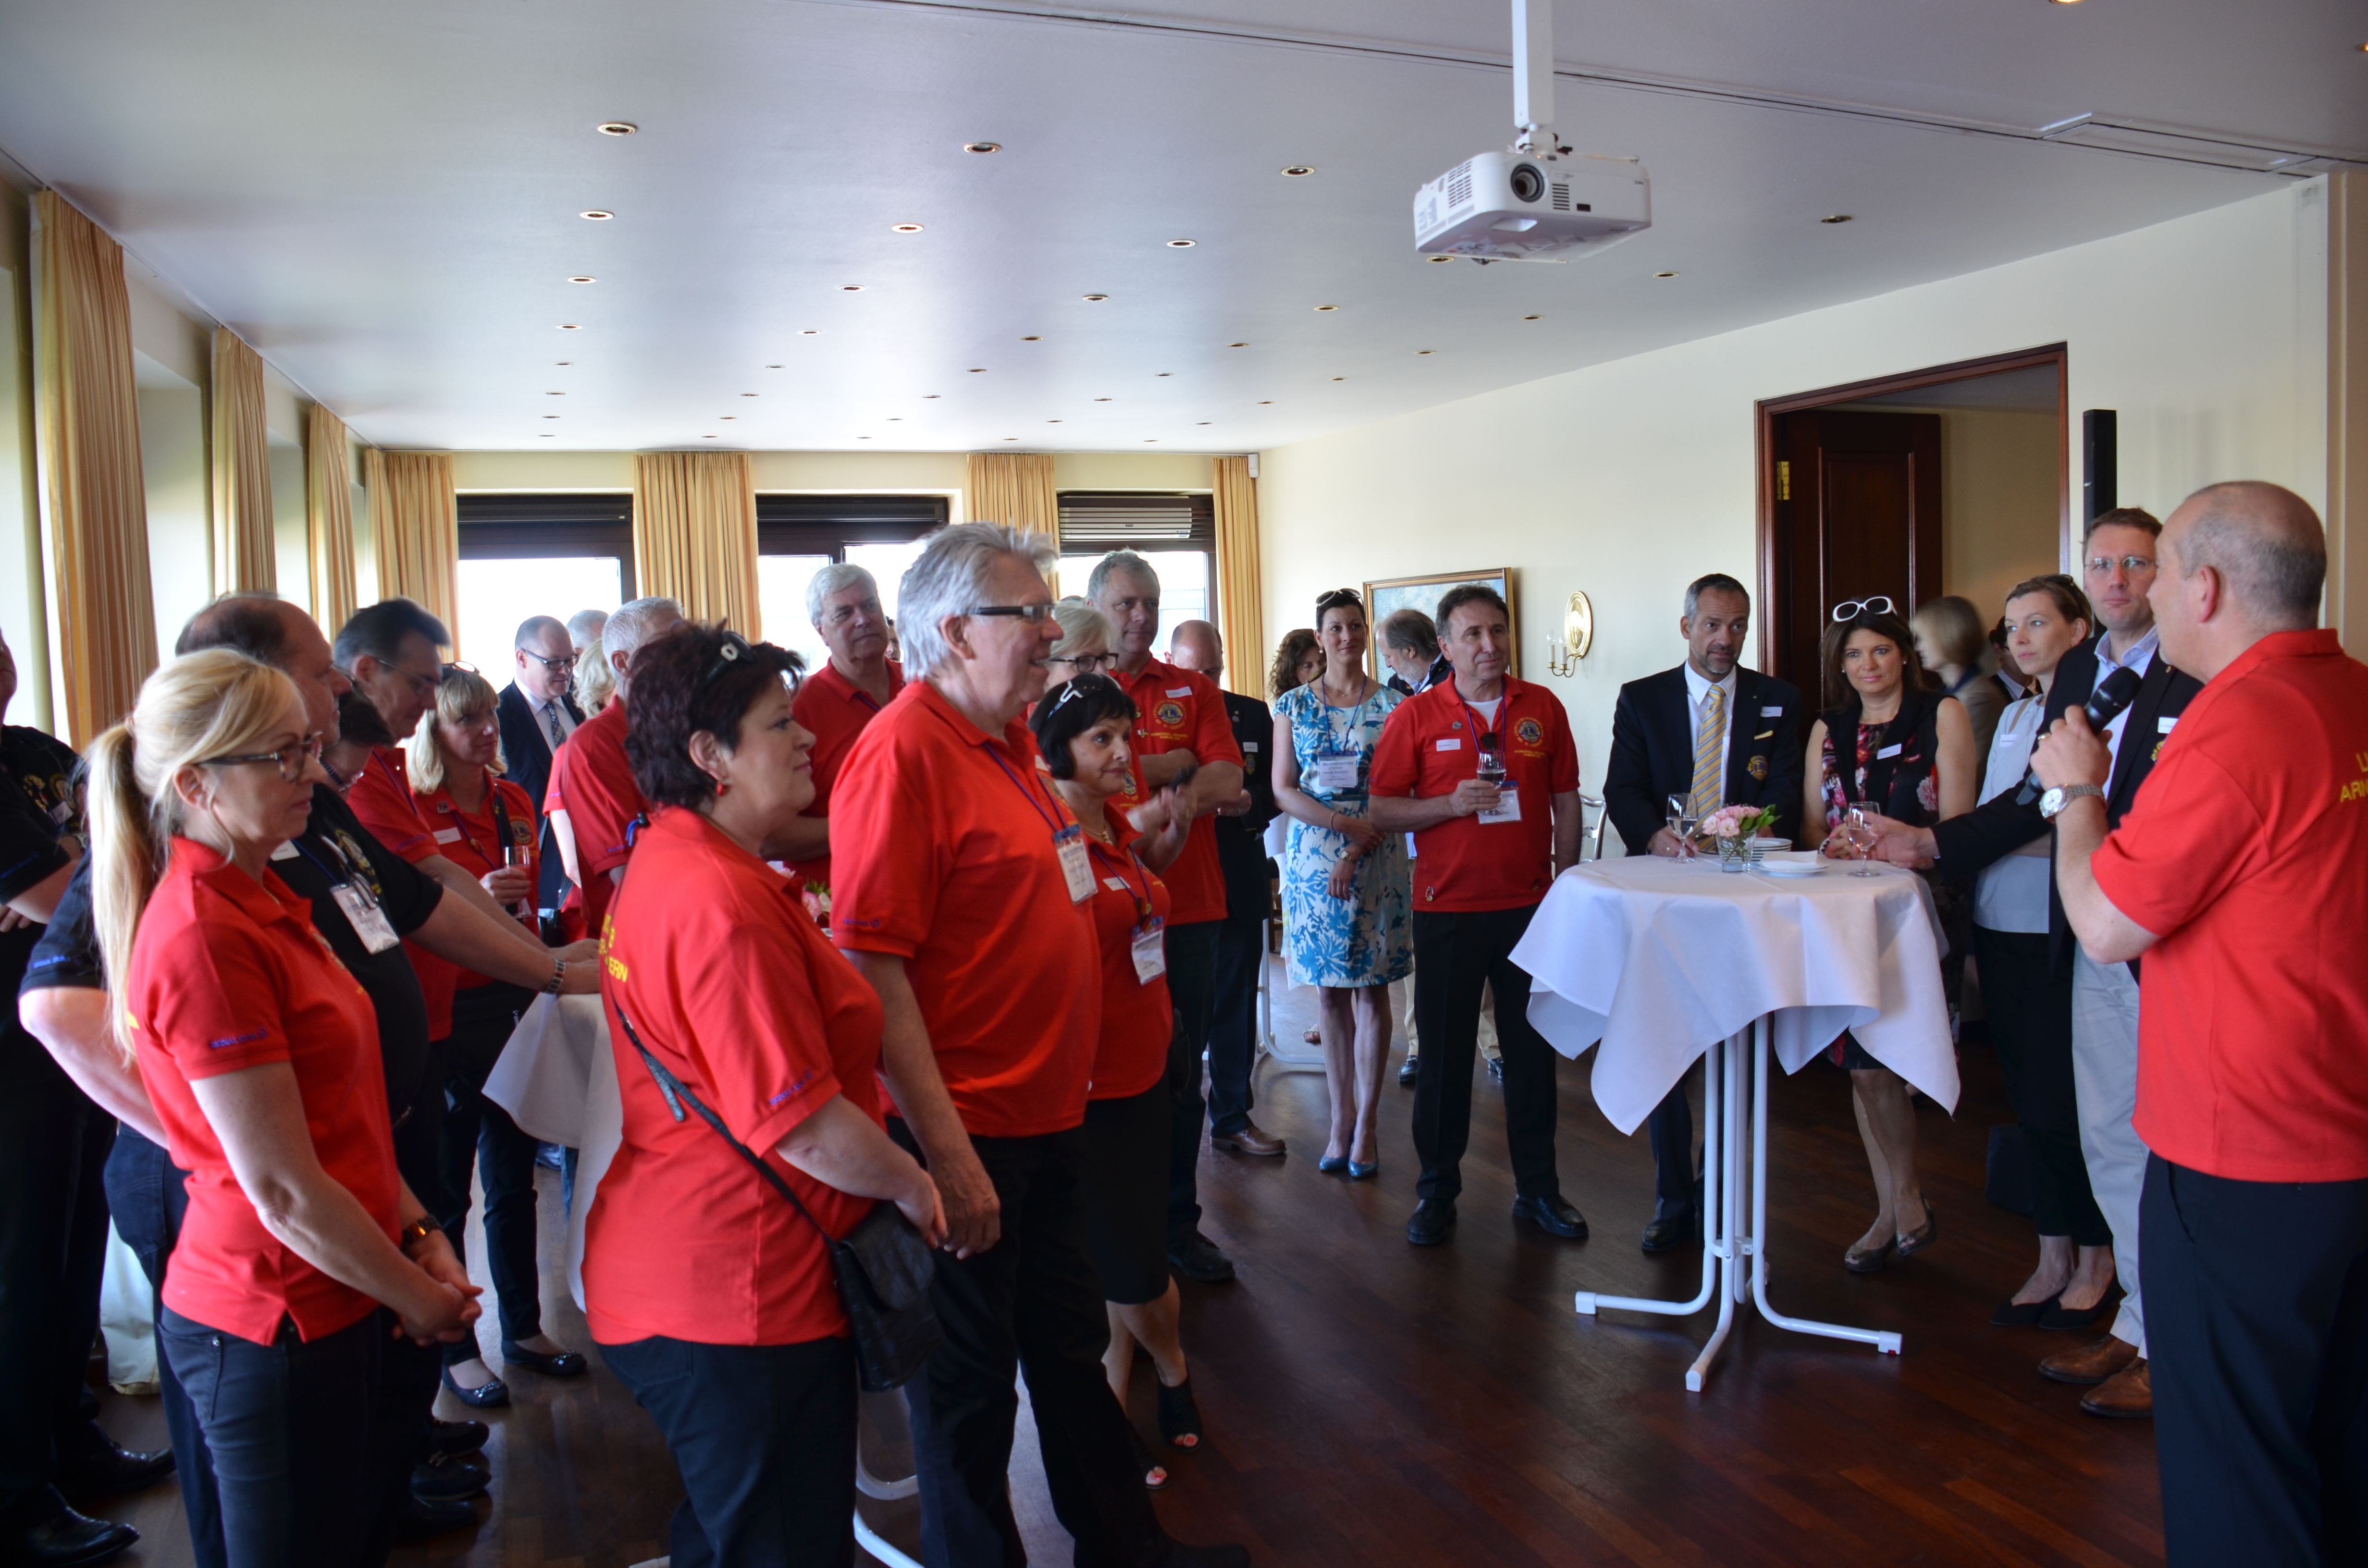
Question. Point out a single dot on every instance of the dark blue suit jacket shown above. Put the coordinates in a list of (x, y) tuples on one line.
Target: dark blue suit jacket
[(526, 760), (1653, 752), (1241, 846)]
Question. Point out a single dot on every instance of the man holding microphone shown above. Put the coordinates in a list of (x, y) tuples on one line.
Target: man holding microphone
[(2237, 875)]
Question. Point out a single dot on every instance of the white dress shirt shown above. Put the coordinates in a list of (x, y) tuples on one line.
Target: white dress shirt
[(2139, 658), (1698, 690)]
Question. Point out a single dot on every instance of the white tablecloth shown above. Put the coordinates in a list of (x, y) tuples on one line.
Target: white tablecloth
[(1658, 960), (558, 1080)]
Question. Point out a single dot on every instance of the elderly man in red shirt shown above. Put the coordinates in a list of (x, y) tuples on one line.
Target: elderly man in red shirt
[(2237, 875), (592, 802), (961, 894), (837, 700)]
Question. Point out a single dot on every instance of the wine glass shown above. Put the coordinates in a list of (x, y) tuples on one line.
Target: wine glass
[(1682, 823), (516, 853), (1859, 833)]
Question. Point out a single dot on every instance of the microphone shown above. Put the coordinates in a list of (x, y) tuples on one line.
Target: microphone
[(2115, 693)]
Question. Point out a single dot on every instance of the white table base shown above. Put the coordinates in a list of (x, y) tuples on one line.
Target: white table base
[(1734, 1260)]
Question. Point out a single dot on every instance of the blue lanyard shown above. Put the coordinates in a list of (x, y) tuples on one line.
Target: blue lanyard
[(344, 866), (1025, 793), (1493, 733)]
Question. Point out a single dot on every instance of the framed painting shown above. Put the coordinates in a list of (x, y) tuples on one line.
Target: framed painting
[(1386, 596)]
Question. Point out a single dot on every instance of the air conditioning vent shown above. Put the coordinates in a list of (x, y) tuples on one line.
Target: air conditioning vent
[(1098, 522)]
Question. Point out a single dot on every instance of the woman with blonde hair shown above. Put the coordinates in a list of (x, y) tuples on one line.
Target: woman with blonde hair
[(487, 825), (303, 1249), (595, 683)]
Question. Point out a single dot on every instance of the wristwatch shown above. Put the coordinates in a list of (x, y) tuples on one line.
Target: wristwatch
[(2063, 795), (410, 1235)]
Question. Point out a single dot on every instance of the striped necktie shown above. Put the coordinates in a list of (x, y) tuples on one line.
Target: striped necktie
[(1710, 789), (551, 716)]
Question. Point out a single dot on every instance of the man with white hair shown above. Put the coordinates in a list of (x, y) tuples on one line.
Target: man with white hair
[(2237, 874), (593, 801), (583, 628), (536, 716), (837, 700), (960, 895)]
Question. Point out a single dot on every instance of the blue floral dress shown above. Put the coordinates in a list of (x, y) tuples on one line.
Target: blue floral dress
[(1367, 938)]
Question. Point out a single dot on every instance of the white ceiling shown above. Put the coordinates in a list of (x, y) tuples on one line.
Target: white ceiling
[(382, 200)]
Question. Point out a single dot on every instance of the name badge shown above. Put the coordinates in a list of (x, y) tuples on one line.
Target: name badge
[(1775, 712), (1115, 884), (1069, 843), (2162, 725), (1149, 950), (1336, 770), (1249, 745), (1892, 750), (448, 836), (1508, 804), (1179, 691), (366, 918), (286, 851), (1452, 743)]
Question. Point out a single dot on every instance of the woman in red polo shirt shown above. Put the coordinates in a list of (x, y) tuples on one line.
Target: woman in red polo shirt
[(487, 825), (303, 1248), (710, 1296), (1084, 730)]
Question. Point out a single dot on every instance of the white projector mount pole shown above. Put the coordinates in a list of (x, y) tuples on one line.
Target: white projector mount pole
[(1533, 77)]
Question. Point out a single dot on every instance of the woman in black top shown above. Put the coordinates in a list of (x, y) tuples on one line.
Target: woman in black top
[(1887, 742)]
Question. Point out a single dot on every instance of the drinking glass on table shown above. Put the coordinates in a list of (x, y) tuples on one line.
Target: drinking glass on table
[(1684, 821), (1858, 834)]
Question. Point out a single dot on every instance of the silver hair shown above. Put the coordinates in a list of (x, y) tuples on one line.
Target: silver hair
[(1410, 631), (1716, 582), (585, 625), (838, 574), (630, 626), (1118, 561), (950, 578), (1080, 622)]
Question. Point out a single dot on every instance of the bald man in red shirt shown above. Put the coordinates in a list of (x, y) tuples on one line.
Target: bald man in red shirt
[(2237, 875)]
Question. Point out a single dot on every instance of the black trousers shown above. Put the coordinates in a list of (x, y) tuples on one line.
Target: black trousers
[(1192, 983), (2029, 1003), (53, 1144), (410, 1374), (291, 1431), (149, 1198), (1233, 1023), (1457, 955), (479, 1136), (2256, 1331), (1030, 1305), (1672, 1128), (765, 1437)]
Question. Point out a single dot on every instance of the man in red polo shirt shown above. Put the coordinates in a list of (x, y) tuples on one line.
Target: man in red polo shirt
[(1183, 725), (2237, 875), (1482, 770), (962, 895), (593, 804), (835, 701)]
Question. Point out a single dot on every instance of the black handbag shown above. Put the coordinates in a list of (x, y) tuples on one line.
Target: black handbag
[(882, 1268)]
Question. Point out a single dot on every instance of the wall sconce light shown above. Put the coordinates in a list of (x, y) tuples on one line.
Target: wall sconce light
[(1577, 636)]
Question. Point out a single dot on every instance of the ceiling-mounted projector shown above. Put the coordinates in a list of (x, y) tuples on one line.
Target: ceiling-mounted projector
[(1532, 201)]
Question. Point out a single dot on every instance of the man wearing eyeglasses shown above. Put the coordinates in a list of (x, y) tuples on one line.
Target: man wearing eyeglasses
[(536, 717), (2119, 566), (837, 702)]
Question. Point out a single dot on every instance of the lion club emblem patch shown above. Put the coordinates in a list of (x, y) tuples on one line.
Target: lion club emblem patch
[(1169, 714), (1757, 768), (1528, 732)]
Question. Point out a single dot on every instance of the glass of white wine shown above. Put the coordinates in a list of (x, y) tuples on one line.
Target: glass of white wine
[(1858, 833)]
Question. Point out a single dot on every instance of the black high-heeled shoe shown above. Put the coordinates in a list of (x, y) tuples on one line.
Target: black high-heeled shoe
[(1179, 1418)]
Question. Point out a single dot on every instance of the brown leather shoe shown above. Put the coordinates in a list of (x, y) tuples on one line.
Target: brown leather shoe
[(1248, 1140), (2091, 1363), (2128, 1395)]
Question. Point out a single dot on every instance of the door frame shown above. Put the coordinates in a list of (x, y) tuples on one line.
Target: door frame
[(1765, 413)]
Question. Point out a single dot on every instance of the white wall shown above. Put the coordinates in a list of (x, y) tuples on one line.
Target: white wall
[(1629, 479)]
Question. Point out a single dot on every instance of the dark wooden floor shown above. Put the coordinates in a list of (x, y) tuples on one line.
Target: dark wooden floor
[(1367, 1401)]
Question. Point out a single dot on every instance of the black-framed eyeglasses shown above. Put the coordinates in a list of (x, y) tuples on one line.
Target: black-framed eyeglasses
[(1034, 615), (555, 665), (735, 648), (1850, 609), (2133, 564), (292, 761), (1086, 664)]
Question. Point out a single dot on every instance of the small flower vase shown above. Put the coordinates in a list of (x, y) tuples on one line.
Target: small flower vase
[(1733, 854)]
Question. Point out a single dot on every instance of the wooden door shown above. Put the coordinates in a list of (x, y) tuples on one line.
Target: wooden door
[(1857, 514)]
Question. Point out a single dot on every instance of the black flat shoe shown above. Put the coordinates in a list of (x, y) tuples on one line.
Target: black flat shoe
[(60, 1538), (442, 1479), (1554, 1215), (566, 1364), (2074, 1317), (1433, 1218), (1179, 1418), (1408, 1070), (491, 1394), (2022, 1314), (1668, 1236), (107, 1468), (423, 1520), (457, 1437), (1195, 1257)]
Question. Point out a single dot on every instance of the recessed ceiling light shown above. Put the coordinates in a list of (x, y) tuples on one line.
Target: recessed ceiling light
[(1300, 170), (598, 214), (1657, 275), (1438, 258), (1051, 422), (1163, 375), (1534, 318), (616, 128), (858, 438), (546, 436), (1101, 400), (554, 394), (1425, 351), (728, 417), (550, 416), (747, 395), (708, 437), (1011, 438), (1237, 346), (1182, 245), (1151, 441), (772, 367), (1328, 307), (982, 146), (563, 361), (895, 419), (905, 228), (1201, 421), (1837, 217), (1339, 378), (810, 332), (579, 278), (1036, 339), (1098, 296), (1265, 402), (928, 397), (850, 287), (978, 370), (571, 326)]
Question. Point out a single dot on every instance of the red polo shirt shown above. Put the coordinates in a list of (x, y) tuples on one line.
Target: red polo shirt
[(2243, 853), (229, 973), (1138, 1017), (833, 710), (1183, 710), (1464, 865), (728, 983), (473, 842), (943, 841), (382, 798), (593, 783)]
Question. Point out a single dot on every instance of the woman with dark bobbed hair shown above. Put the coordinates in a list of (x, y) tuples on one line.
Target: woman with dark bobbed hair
[(1084, 733), (707, 1294)]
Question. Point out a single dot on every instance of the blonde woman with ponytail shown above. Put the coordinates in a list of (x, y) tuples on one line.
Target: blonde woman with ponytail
[(303, 1249)]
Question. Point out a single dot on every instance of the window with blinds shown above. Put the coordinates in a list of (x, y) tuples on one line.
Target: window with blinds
[(1177, 533)]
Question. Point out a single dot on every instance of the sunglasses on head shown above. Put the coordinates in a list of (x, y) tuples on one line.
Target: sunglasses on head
[(1850, 609)]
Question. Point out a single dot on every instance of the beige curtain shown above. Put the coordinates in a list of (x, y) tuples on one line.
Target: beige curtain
[(329, 519), (244, 560), (414, 529), (1240, 602), (89, 452), (695, 535), (1014, 488)]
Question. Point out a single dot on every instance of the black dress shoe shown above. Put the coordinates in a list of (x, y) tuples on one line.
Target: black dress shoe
[(443, 1479), (1433, 1218), (1668, 1234), (2022, 1314), (457, 1437), (1554, 1215), (488, 1395), (1409, 1069), (1195, 1257), (423, 1520), (57, 1536), (564, 1364), (107, 1468)]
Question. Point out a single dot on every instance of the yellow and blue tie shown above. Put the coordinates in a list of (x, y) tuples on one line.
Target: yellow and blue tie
[(1710, 789)]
